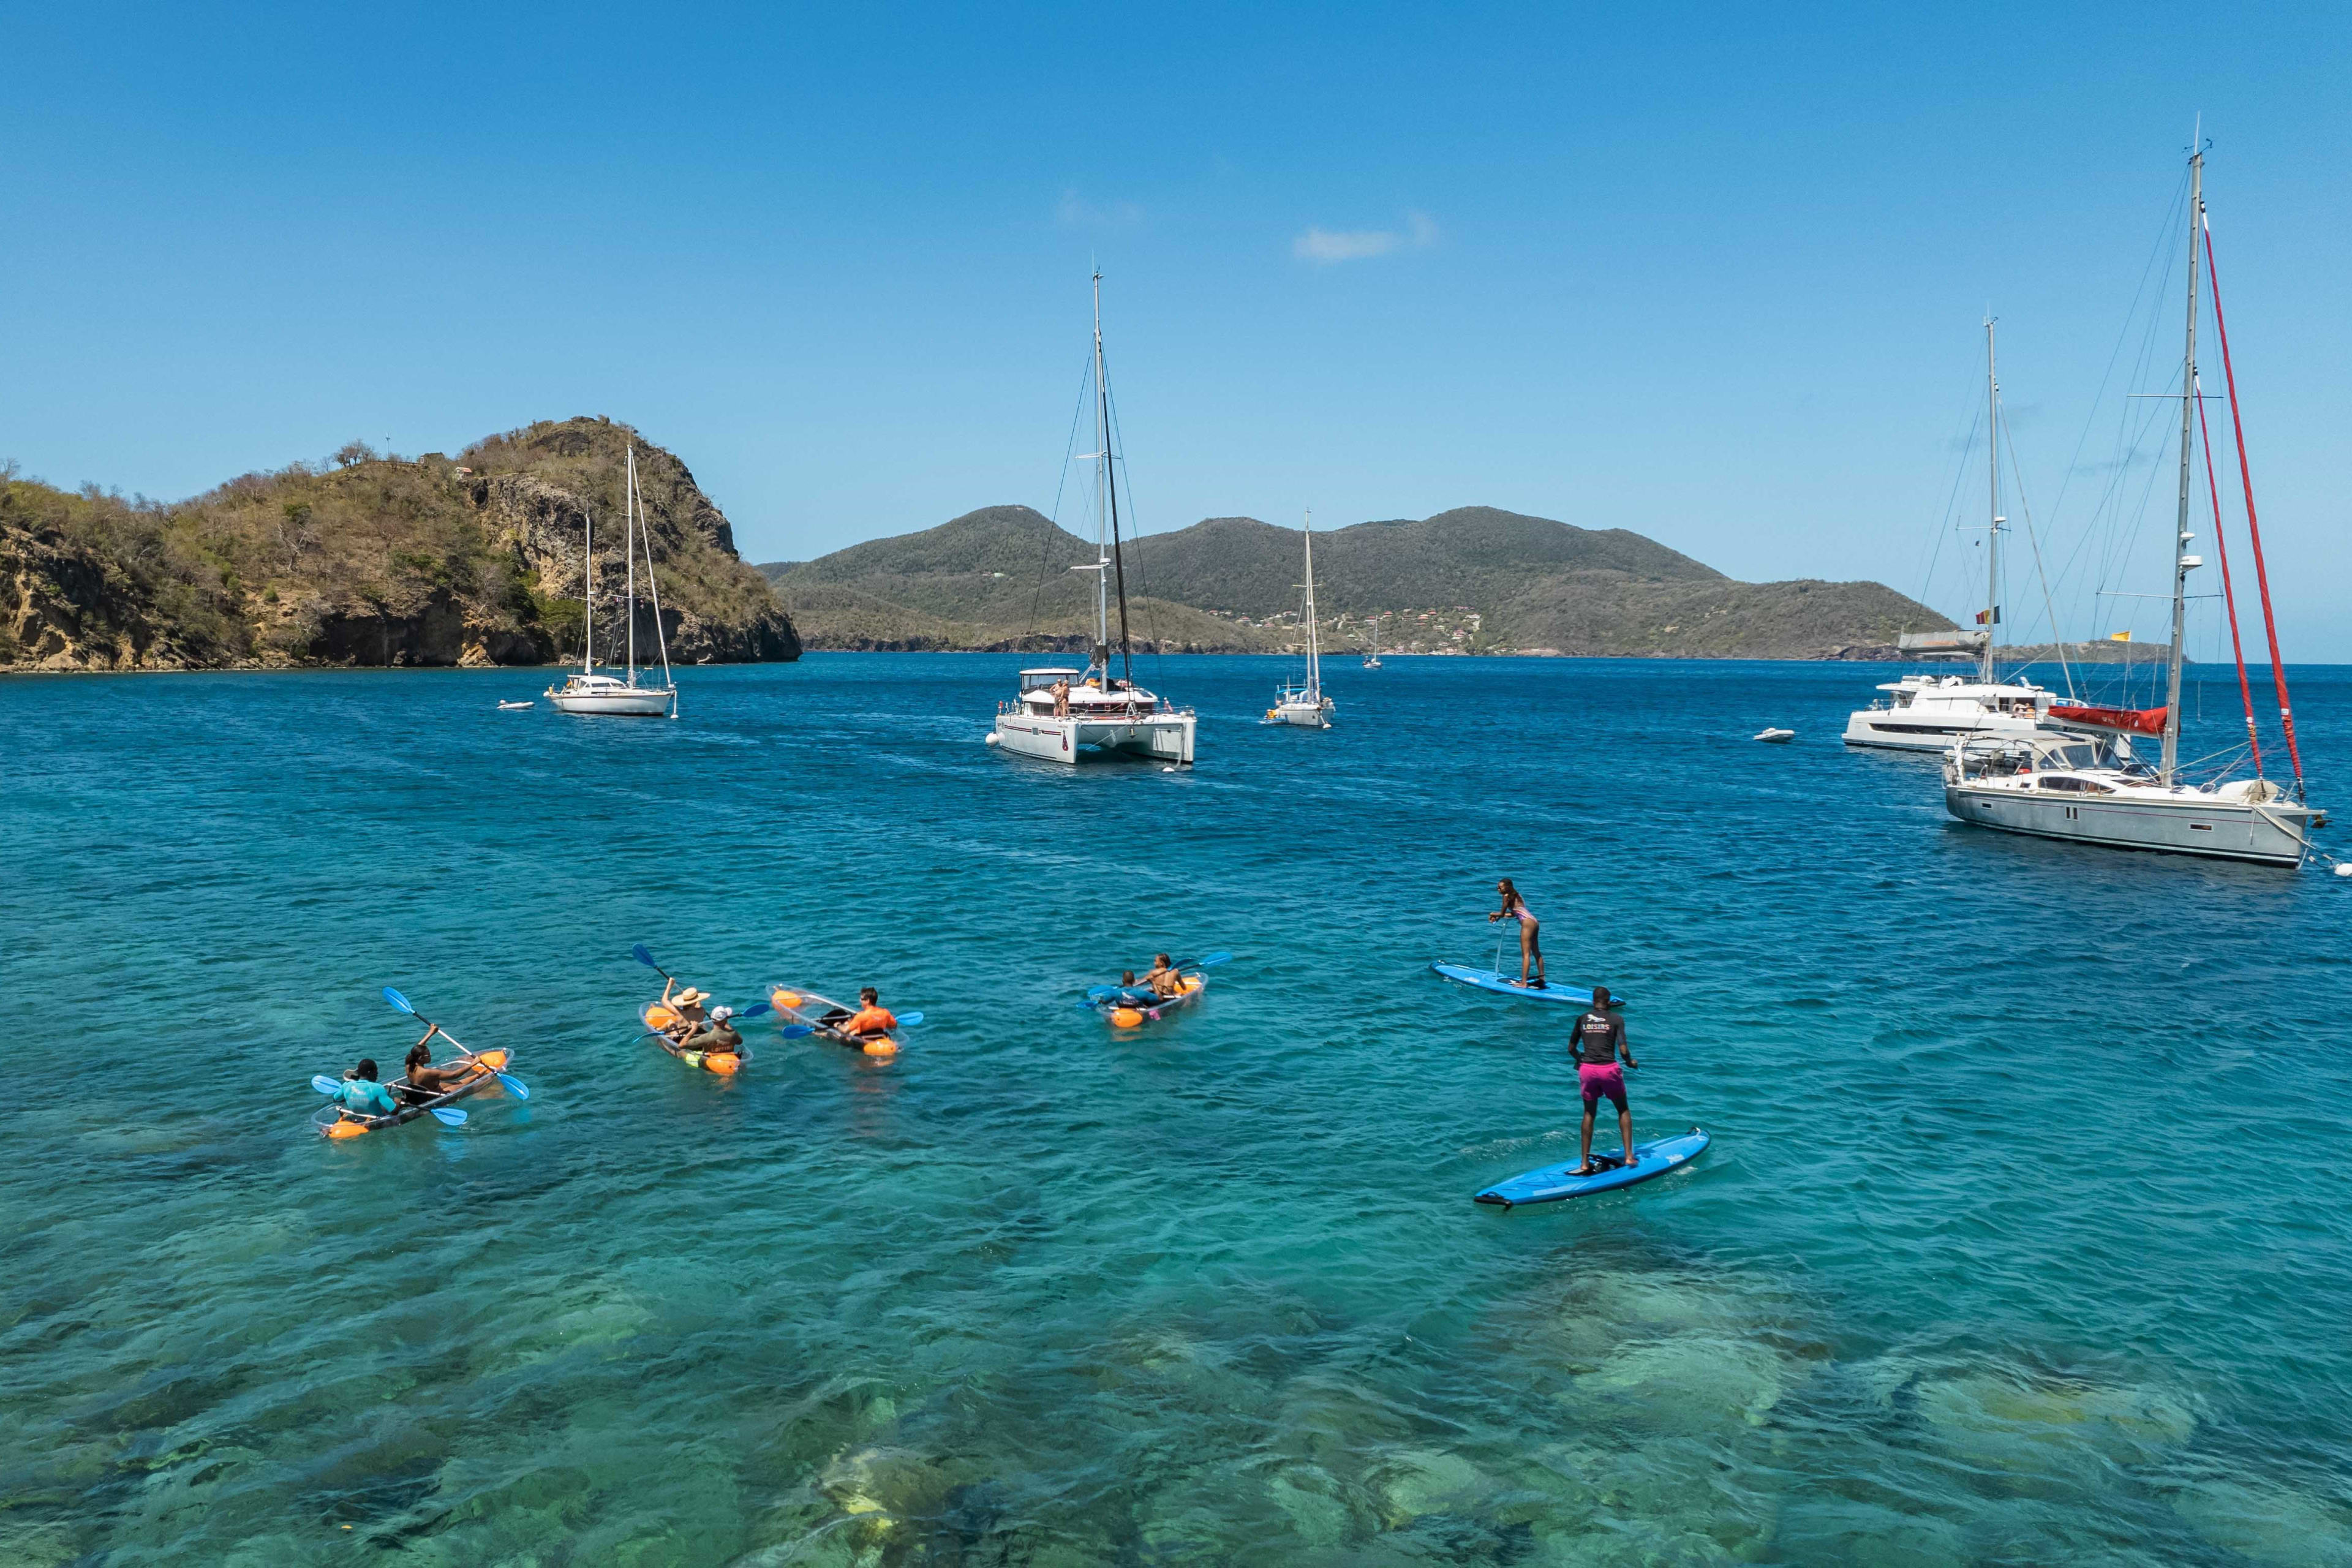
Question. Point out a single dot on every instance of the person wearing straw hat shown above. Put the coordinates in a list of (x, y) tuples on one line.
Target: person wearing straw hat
[(686, 1009)]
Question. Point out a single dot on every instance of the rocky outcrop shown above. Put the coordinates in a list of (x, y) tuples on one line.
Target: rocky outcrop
[(479, 561)]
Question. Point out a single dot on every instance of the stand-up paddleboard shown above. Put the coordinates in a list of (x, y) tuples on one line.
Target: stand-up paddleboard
[(1554, 1183), (1508, 985)]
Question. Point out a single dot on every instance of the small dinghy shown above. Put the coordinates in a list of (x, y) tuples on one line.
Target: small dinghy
[(1777, 737), (511, 707)]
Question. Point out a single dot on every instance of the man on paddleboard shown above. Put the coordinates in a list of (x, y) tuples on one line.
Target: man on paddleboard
[(1594, 1044)]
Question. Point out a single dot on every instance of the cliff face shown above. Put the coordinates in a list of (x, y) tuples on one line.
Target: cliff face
[(479, 560)]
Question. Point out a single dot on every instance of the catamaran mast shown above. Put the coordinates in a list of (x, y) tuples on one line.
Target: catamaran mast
[(2182, 562), (1992, 535), (1102, 500), (1107, 483), (1314, 649)]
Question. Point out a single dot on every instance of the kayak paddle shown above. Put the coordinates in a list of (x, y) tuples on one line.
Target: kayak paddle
[(326, 1085), (908, 1020), (642, 957), (506, 1081)]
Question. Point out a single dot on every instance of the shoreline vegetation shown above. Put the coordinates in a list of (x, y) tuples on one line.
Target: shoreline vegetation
[(368, 560)]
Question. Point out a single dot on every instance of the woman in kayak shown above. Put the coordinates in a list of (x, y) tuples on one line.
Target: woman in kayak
[(1599, 1037), (425, 1081), (1163, 979), (686, 1009), (1530, 950)]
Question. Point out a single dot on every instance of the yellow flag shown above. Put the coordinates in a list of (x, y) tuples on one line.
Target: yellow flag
[(2119, 637)]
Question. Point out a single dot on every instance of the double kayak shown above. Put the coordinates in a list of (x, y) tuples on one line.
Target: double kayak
[(1508, 986), (1553, 1183), (658, 1018), (823, 1017), (334, 1122), (1127, 1006)]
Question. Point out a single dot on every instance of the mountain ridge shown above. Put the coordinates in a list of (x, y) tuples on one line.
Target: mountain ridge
[(1470, 579)]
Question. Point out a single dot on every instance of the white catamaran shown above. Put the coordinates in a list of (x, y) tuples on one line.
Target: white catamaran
[(1305, 706), (1064, 715), (589, 692), (2079, 788), (1928, 713)]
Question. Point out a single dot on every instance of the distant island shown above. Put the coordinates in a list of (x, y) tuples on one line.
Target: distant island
[(1475, 580), (477, 559), (371, 559)]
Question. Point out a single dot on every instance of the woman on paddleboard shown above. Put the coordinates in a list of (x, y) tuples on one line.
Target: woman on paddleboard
[(1599, 1036), (1516, 908)]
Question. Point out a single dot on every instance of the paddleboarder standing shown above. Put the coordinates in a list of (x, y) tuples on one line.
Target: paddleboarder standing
[(1514, 908), (1598, 1039)]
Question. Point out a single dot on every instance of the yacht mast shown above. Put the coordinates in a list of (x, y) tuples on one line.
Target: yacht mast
[(1314, 649), (588, 605), (1102, 500), (1992, 535), (2182, 562), (629, 543)]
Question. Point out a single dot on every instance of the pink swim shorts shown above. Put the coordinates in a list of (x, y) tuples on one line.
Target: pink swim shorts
[(1597, 1079)]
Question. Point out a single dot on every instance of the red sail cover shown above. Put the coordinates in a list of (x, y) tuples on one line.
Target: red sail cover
[(2138, 720)]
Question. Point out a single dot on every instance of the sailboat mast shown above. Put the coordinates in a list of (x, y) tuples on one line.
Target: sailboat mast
[(1102, 495), (2182, 562), (588, 605), (1314, 649), (1992, 489), (629, 543), (1109, 482)]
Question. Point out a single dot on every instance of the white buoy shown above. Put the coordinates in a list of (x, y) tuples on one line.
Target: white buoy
[(991, 738), (2343, 867)]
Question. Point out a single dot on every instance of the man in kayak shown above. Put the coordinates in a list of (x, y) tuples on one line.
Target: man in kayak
[(362, 1095), (717, 1035), (1599, 1037), (872, 1020), (1163, 979)]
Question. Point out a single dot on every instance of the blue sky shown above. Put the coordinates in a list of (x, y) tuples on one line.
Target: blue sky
[(1715, 275)]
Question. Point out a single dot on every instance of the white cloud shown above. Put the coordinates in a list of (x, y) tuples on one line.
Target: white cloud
[(1326, 246), (1074, 212)]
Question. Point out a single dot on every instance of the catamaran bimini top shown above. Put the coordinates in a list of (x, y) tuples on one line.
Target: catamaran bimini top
[(1038, 679)]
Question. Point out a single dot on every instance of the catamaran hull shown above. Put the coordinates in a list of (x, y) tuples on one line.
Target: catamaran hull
[(639, 703), (1163, 737), (2267, 834)]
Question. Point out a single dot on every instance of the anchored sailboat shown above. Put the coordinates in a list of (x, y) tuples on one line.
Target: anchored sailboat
[(2082, 788), (589, 692), (1062, 715), (1305, 706), (1927, 713), (1372, 659)]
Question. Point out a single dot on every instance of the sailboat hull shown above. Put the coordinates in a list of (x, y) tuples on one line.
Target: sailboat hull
[(1304, 715), (636, 701), (2190, 822)]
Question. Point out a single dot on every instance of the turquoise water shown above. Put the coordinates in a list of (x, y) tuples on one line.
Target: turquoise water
[(2027, 1236)]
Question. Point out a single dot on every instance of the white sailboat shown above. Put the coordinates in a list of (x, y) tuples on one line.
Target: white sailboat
[(1928, 713), (590, 692), (1372, 659), (2084, 789), (1305, 706), (1064, 715)]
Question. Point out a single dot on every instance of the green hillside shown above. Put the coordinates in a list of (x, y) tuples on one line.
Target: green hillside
[(1475, 579), (373, 559)]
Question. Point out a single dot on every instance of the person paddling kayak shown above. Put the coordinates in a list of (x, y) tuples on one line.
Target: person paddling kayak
[(1516, 908), (686, 1014), (1162, 978), (872, 1019), (1595, 1046), (425, 1079), (717, 1035), (362, 1095)]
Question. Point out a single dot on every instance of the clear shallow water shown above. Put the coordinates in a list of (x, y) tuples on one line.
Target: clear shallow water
[(2027, 1236)]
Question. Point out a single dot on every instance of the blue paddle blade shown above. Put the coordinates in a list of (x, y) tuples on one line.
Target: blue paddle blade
[(448, 1116), (397, 1000), (1213, 958), (908, 1020), (642, 957), (1086, 1007), (1101, 993), (794, 1031), (325, 1084), (513, 1086), (755, 1009)]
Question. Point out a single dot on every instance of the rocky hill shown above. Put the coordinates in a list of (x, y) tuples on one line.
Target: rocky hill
[(375, 560), (1472, 580)]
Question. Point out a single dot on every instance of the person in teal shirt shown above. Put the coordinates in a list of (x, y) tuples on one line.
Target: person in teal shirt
[(362, 1095)]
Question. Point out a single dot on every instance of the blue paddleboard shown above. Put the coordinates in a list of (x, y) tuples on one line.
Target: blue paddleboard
[(1553, 1182), (1508, 985)]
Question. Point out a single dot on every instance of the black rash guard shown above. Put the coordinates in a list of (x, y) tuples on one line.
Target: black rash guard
[(1598, 1037)]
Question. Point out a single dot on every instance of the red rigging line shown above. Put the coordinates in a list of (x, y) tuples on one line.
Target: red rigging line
[(2228, 595), (2253, 528)]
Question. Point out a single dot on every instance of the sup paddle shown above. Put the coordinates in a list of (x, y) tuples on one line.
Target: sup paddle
[(506, 1081)]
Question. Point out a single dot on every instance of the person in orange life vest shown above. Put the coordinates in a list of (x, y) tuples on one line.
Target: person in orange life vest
[(872, 1020)]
